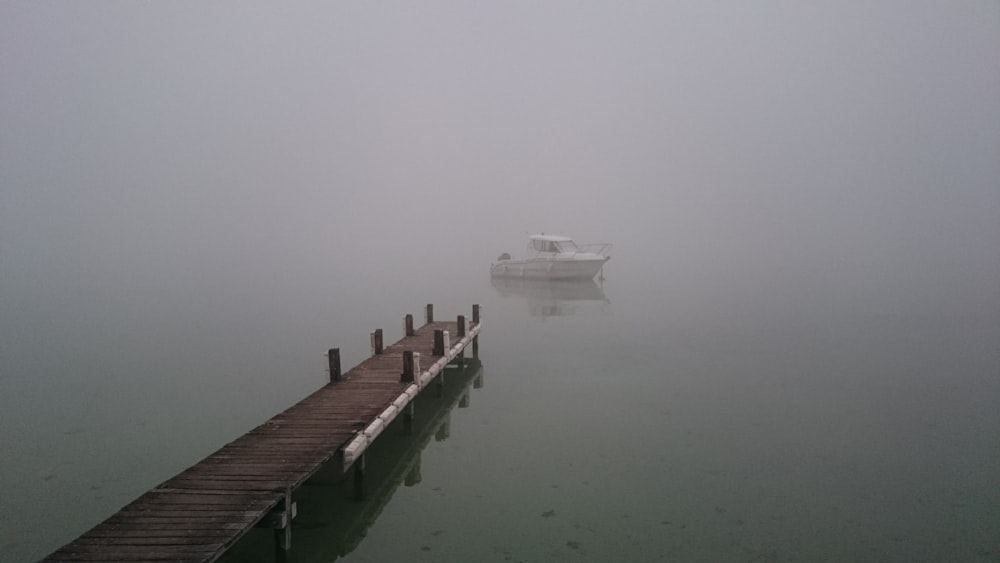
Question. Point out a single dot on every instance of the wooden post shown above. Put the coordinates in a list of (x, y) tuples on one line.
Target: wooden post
[(407, 375), (413, 477), (334, 358), (409, 324), (430, 313), (359, 478), (408, 419), (461, 334), (377, 343), (443, 431), (283, 533), (475, 339), (438, 342)]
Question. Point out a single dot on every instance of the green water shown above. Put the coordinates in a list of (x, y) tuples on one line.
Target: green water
[(629, 424)]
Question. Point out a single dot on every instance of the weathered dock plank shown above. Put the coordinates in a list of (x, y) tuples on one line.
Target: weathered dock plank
[(199, 513)]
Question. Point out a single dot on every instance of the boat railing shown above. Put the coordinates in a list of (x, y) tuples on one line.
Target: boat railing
[(601, 248)]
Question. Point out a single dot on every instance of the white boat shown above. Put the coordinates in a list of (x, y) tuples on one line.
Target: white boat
[(552, 257)]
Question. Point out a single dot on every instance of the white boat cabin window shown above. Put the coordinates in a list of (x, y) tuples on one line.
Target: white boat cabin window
[(545, 245)]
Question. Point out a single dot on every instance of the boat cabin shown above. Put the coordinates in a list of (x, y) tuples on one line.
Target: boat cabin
[(551, 244)]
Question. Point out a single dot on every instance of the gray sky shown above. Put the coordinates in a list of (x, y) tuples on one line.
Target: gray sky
[(191, 145)]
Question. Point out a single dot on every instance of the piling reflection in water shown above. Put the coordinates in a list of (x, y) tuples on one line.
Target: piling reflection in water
[(550, 298), (331, 521)]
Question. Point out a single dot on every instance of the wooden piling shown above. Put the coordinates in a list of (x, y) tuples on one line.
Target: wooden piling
[(475, 339), (408, 322), (377, 345), (408, 419), (333, 356), (359, 478), (407, 375), (429, 313), (444, 430), (438, 342), (461, 334), (283, 530), (413, 477)]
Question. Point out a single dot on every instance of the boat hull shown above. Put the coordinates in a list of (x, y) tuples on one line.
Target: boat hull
[(548, 269)]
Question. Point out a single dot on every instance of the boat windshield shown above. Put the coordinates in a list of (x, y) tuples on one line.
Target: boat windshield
[(542, 245), (566, 246)]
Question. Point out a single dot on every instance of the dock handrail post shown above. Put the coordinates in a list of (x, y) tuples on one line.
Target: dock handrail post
[(409, 324), (438, 342), (461, 334), (475, 339), (334, 358), (430, 313), (377, 345), (407, 375)]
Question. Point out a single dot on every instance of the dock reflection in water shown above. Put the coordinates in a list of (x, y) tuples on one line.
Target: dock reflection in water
[(331, 521), (550, 298)]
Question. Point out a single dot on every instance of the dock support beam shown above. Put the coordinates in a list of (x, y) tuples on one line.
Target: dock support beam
[(359, 478), (333, 356), (429, 313), (377, 346), (409, 324), (280, 519), (444, 430), (408, 419), (413, 477)]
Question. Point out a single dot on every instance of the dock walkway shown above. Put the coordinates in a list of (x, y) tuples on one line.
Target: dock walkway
[(201, 512)]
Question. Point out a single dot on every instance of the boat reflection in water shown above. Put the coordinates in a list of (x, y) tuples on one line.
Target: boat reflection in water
[(550, 298), (331, 520)]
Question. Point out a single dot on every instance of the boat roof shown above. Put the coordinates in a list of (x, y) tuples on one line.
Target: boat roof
[(552, 238)]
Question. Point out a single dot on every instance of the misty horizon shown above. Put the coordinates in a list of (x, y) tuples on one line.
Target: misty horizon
[(803, 198)]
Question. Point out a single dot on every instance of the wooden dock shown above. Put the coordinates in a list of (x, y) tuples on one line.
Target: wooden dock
[(201, 512)]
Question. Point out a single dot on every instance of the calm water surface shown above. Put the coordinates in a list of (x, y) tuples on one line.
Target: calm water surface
[(643, 422)]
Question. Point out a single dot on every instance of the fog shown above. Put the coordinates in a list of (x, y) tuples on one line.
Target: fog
[(197, 199), (161, 152)]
